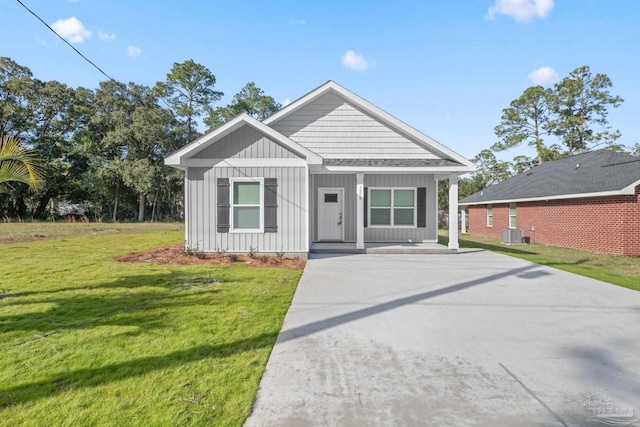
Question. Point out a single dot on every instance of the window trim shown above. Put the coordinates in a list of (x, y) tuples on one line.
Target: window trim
[(232, 205), (514, 224), (392, 207), (489, 215)]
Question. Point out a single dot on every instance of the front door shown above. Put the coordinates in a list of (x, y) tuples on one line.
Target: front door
[(330, 222)]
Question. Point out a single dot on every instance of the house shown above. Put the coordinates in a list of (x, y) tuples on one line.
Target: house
[(329, 167), (589, 201)]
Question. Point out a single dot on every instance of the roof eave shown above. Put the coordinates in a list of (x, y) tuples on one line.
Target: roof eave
[(629, 190), (178, 159)]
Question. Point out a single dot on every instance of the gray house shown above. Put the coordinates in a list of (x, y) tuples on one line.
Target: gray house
[(329, 167)]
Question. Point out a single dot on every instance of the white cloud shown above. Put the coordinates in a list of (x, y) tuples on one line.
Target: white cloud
[(71, 29), (355, 61), (544, 76), (286, 102), (521, 10), (106, 36), (134, 51), (297, 21)]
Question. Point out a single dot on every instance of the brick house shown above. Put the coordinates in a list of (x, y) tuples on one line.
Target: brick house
[(589, 201)]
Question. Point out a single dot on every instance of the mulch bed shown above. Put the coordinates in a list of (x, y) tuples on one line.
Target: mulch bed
[(176, 255)]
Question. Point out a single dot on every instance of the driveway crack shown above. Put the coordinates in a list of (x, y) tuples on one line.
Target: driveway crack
[(532, 394)]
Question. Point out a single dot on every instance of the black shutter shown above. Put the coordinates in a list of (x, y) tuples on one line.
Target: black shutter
[(422, 207), (270, 205), (366, 206), (223, 205)]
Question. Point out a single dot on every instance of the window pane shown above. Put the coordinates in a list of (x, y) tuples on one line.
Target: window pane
[(380, 198), (331, 198), (245, 217), (380, 216), (246, 193), (403, 198), (403, 216)]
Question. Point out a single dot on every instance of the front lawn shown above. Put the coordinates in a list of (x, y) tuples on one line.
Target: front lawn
[(618, 270), (85, 340)]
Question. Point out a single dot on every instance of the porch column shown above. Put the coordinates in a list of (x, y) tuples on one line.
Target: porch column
[(360, 211), (453, 211)]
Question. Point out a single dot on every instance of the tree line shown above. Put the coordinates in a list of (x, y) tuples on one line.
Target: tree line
[(102, 151)]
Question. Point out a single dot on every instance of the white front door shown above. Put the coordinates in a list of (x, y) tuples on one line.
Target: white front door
[(330, 224)]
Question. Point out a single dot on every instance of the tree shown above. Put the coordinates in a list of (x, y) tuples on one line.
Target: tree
[(135, 134), (189, 90), (18, 164), (526, 120), (16, 88), (580, 102), (489, 170), (251, 100)]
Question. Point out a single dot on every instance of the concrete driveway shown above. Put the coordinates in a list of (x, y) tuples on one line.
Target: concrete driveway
[(471, 339)]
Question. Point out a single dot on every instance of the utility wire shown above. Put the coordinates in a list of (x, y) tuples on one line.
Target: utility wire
[(69, 44), (122, 85)]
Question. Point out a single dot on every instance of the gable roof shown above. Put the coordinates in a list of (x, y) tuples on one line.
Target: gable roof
[(592, 174), (178, 158), (383, 117)]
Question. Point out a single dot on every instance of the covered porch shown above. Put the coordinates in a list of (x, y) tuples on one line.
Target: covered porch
[(342, 210)]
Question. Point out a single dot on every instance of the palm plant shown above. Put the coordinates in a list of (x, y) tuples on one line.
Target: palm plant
[(19, 164)]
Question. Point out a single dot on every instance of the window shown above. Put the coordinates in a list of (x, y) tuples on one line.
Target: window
[(331, 198), (392, 207), (246, 205), (512, 215), (489, 215)]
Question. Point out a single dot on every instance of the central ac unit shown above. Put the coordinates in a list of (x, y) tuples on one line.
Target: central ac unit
[(512, 237)]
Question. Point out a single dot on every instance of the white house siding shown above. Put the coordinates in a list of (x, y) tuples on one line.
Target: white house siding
[(245, 143), (333, 128), (346, 181), (201, 213)]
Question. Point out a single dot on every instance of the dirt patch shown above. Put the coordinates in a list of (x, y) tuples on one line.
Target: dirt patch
[(175, 254)]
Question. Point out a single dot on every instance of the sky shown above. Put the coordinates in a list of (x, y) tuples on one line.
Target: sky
[(445, 67)]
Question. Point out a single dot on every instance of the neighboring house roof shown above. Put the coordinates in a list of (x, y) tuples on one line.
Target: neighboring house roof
[(592, 174), (179, 158)]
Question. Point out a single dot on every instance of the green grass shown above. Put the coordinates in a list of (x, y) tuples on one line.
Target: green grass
[(618, 270), (130, 344)]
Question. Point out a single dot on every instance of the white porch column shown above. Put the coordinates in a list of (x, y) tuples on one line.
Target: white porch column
[(360, 211), (453, 211)]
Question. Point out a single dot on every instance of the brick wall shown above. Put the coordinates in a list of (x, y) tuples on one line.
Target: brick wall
[(604, 225)]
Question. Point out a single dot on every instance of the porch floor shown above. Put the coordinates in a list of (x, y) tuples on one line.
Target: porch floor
[(381, 248)]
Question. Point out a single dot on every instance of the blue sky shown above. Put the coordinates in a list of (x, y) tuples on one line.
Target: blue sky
[(446, 67)]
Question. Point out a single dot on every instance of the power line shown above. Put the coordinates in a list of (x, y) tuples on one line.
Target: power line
[(122, 85), (69, 44)]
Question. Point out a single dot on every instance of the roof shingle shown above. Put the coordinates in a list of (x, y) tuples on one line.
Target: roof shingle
[(591, 172)]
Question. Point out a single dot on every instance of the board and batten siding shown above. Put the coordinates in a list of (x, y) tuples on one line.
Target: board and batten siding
[(201, 232), (333, 128), (348, 183), (245, 143)]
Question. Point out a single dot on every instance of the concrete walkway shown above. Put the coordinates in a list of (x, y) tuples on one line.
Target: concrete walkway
[(471, 339)]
